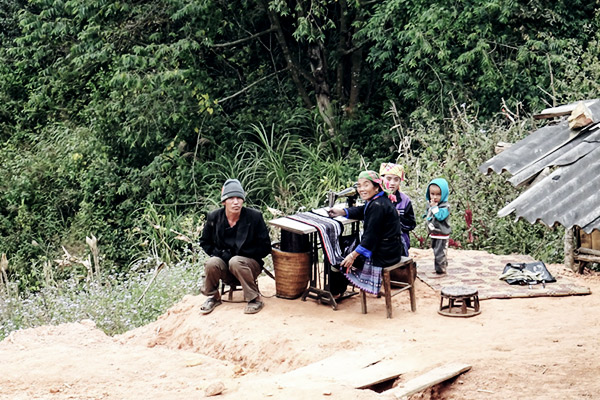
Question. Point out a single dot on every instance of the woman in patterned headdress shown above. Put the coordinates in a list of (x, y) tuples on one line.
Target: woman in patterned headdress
[(380, 242), (393, 174)]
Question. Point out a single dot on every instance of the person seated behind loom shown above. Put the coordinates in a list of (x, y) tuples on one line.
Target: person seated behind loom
[(236, 239), (394, 175), (380, 244)]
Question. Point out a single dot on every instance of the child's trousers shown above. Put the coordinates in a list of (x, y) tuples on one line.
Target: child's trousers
[(440, 252)]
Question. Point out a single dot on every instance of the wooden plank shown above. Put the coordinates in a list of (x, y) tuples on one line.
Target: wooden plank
[(550, 115), (376, 373), (292, 225), (301, 228), (585, 240), (338, 364), (586, 258), (430, 379), (583, 250), (561, 110), (350, 368), (596, 239)]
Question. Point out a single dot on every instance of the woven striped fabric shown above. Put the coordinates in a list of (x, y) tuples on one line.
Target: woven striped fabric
[(329, 231)]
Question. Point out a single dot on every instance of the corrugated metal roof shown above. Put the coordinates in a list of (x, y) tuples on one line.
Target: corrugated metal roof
[(569, 195)]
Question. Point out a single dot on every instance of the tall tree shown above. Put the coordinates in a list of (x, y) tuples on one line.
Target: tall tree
[(315, 45)]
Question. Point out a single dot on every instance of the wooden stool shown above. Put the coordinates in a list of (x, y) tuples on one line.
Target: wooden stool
[(387, 282), (462, 302), (232, 288)]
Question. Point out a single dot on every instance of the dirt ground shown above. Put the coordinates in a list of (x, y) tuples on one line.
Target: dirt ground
[(530, 348)]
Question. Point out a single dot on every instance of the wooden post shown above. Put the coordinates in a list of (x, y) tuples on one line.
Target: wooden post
[(569, 248)]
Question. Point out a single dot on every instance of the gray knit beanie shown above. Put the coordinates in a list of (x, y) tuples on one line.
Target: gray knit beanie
[(232, 188)]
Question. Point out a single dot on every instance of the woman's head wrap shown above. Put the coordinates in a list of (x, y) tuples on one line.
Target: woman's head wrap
[(392, 169), (376, 179)]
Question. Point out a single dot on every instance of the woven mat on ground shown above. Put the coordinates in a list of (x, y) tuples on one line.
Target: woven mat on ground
[(480, 270)]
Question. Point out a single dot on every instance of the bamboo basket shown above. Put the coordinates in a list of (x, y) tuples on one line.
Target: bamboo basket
[(292, 272)]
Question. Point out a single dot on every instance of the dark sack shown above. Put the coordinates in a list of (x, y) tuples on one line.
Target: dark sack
[(527, 273), (347, 244), (337, 281)]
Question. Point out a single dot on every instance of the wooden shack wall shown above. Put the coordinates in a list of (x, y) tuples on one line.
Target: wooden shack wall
[(589, 241)]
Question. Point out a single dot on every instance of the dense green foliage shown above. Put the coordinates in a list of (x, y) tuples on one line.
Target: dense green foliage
[(121, 119), (477, 52)]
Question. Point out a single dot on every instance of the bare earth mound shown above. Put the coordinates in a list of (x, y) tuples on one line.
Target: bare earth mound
[(533, 348)]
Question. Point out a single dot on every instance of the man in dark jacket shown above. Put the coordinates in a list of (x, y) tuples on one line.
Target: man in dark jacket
[(236, 239)]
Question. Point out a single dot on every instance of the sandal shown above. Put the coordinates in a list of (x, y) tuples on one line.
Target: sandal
[(253, 307), (209, 305)]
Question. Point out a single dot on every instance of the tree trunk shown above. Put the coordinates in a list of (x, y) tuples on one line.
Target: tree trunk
[(357, 56), (316, 55), (274, 19), (355, 71), (341, 51)]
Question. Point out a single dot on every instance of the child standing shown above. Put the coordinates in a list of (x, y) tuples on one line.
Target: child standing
[(438, 223), (393, 174)]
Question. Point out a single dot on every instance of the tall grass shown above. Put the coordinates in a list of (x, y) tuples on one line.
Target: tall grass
[(166, 235), (114, 303)]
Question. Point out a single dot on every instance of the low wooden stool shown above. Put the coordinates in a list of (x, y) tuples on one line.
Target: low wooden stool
[(387, 282), (233, 287), (462, 301), (236, 286)]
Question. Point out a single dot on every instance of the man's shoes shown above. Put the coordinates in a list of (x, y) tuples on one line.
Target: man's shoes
[(209, 305), (253, 307), (440, 272)]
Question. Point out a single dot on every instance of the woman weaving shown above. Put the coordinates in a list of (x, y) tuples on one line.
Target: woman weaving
[(381, 244)]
